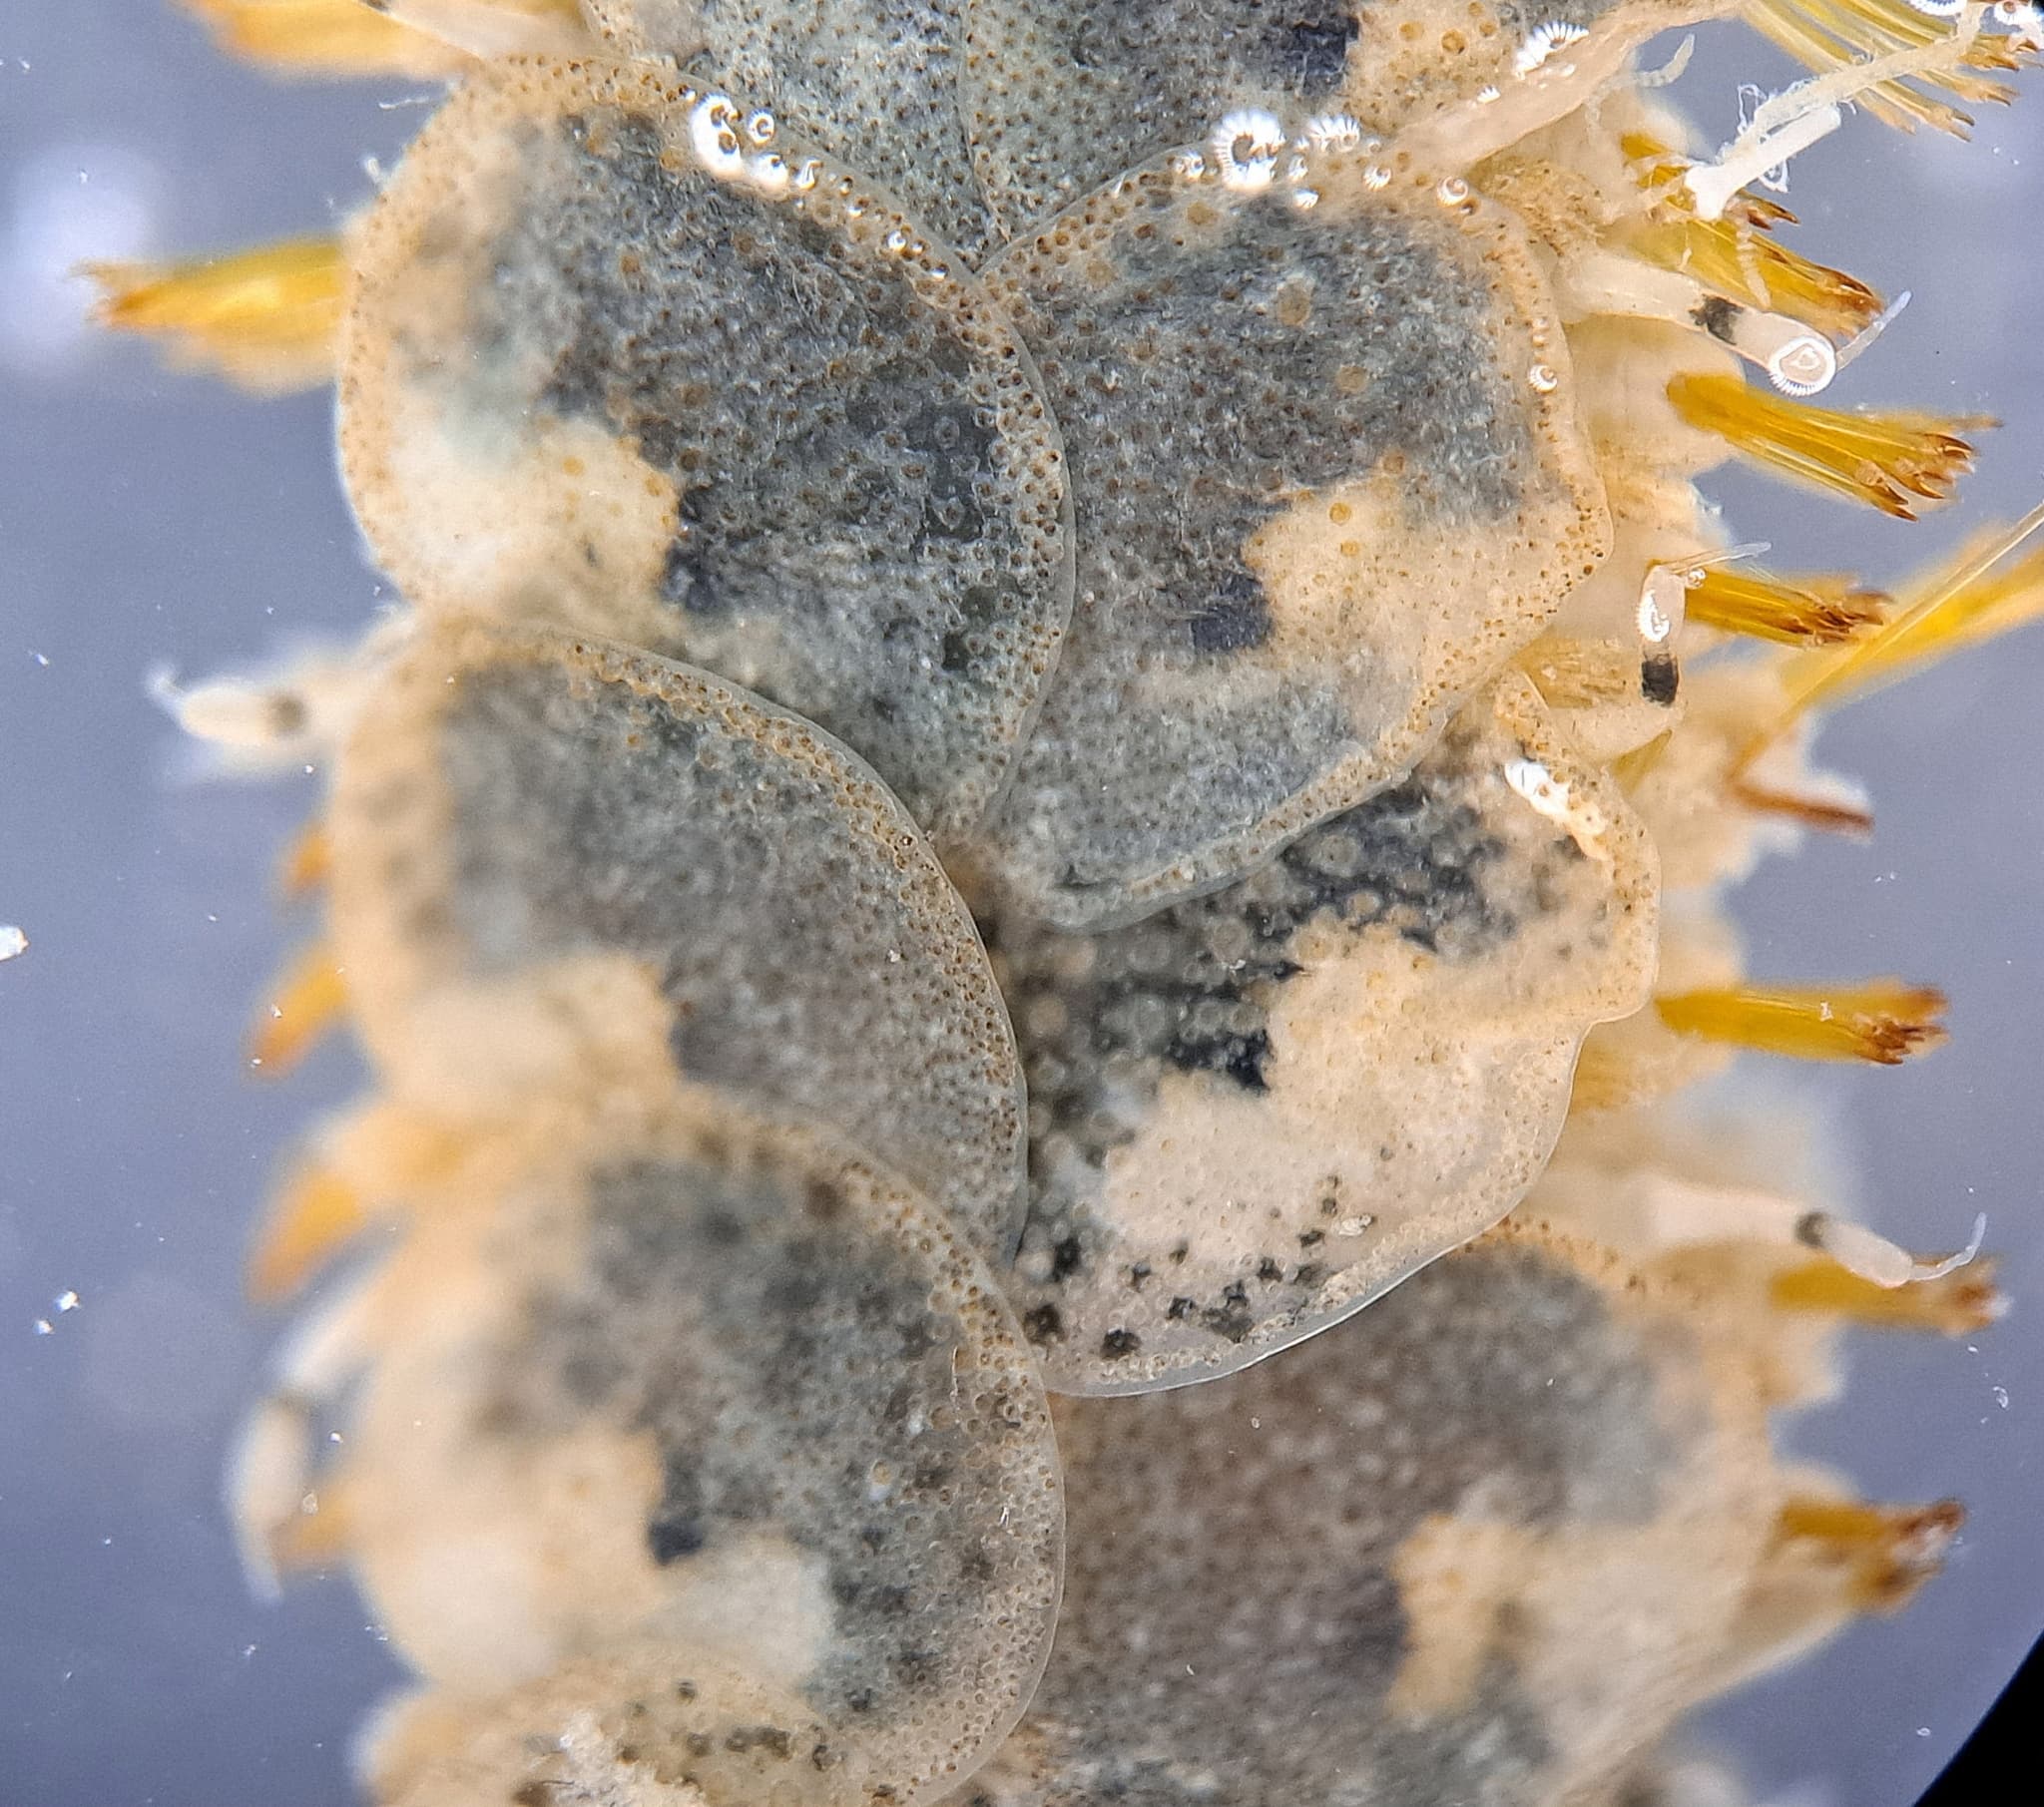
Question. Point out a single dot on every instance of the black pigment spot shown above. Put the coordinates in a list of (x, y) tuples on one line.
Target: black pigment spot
[(1043, 1324), (676, 1527), (1659, 677), (1240, 1057), (955, 448), (1231, 1318), (1237, 619), (1311, 49), (1718, 317)]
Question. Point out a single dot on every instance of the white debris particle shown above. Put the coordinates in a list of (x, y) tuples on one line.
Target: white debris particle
[(67, 1300), (13, 943)]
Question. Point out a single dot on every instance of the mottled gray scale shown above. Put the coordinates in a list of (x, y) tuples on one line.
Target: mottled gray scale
[(797, 1363), (875, 82), (870, 510), (1067, 93), (1064, 94), (1101, 1018), (1233, 1625), (1188, 988), (682, 1394), (836, 450), (1212, 360), (766, 889)]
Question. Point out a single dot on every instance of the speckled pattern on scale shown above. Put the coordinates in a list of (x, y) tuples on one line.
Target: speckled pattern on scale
[(831, 69), (1224, 465), (563, 865), (1252, 1113), (641, 1726), (697, 1377), (1310, 516), (1398, 1565), (1068, 93), (1065, 93), (639, 362)]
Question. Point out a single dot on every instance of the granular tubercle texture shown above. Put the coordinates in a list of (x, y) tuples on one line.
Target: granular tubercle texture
[(631, 358), (1063, 94), (566, 866), (1323, 487), (835, 70), (700, 1383), (1480, 1545), (641, 1726), (1252, 1113), (1066, 94)]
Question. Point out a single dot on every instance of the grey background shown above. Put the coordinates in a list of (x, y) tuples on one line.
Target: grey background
[(149, 519)]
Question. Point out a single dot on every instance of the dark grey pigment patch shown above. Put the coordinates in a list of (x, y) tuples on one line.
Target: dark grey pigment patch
[(1237, 619), (1308, 47), (801, 968), (1659, 677), (1169, 57), (1232, 1626), (1193, 415), (852, 536), (1718, 317)]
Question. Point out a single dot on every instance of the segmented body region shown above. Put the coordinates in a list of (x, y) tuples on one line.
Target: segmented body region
[(1062, 719)]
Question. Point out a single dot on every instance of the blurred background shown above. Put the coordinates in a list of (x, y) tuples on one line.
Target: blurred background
[(152, 521)]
